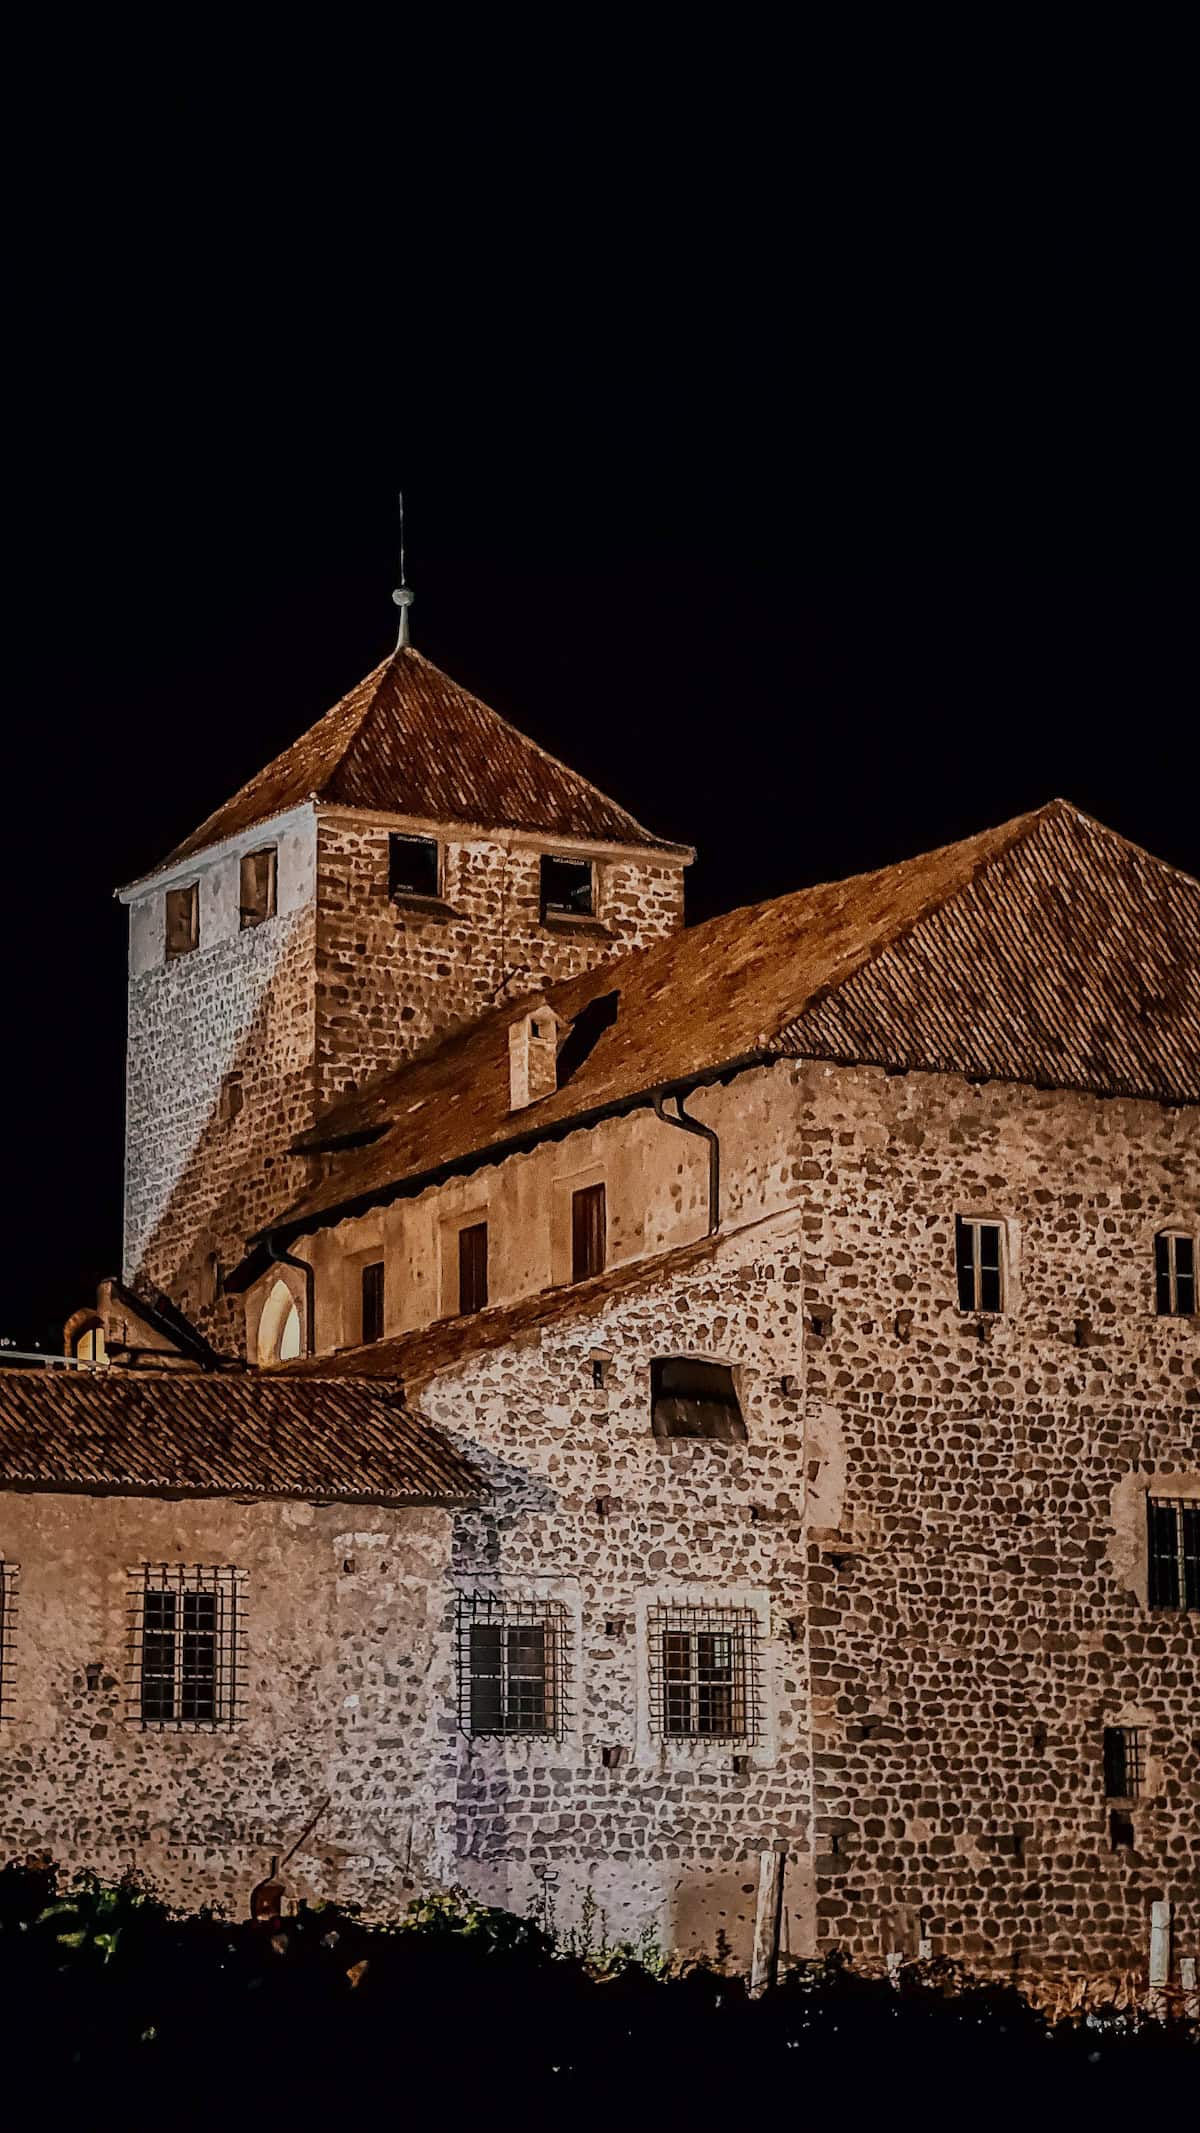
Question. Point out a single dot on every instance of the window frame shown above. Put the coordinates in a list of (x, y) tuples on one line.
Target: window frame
[(1166, 1271), (479, 1613), (403, 894), (190, 890), (557, 912), (692, 1621), (594, 1194), (224, 1585), (1177, 1564), (971, 1227), (725, 1398), (466, 1308), (249, 915), (1124, 1758)]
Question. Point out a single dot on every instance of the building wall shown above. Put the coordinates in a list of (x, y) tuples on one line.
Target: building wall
[(392, 977), (345, 1625)]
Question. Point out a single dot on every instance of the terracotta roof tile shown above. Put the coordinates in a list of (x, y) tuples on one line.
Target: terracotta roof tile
[(408, 740), (145, 1432)]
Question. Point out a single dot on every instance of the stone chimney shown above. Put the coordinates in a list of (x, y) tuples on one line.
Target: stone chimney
[(532, 1057)]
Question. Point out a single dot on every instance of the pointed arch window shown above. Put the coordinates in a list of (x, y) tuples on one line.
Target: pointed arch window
[(279, 1330)]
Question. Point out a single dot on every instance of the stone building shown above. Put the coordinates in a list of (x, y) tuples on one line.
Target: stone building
[(594, 1402)]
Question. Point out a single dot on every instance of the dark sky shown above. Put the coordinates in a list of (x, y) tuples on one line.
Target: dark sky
[(820, 508)]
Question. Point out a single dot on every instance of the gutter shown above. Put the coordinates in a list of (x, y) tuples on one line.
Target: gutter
[(687, 1124)]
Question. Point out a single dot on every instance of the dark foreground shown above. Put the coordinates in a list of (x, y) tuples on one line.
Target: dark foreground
[(115, 2011)]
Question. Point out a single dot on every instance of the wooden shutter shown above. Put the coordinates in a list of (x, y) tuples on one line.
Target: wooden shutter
[(472, 1267), (588, 1232), (183, 912)]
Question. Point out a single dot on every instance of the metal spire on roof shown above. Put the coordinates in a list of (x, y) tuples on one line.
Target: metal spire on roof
[(403, 594)]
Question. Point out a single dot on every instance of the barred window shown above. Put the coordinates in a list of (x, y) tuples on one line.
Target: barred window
[(188, 1627), (512, 1673), (704, 1673), (8, 1614), (979, 1255), (1174, 1551), (1124, 1762), (1175, 1274)]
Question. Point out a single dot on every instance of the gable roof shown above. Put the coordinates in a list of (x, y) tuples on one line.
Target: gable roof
[(145, 1432), (1048, 951), (409, 741)]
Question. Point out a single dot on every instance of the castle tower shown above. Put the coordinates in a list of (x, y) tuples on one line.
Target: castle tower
[(406, 863)]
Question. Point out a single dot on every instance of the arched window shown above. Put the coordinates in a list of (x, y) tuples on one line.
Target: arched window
[(279, 1327), (691, 1398), (88, 1344)]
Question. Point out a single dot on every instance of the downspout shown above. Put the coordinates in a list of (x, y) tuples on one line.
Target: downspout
[(707, 1133), (301, 1266)]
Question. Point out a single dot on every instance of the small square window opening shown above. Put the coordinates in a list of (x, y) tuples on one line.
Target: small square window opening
[(511, 1667), (1175, 1274), (567, 887), (693, 1398), (186, 1646), (414, 866), (589, 1228), (473, 1268), (979, 1251), (372, 1301), (183, 920), (257, 898)]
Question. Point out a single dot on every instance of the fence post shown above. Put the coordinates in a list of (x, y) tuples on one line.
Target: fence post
[(767, 1916), (1160, 1958), (1191, 1996)]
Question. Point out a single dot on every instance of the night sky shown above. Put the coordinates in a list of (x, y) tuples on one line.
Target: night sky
[(819, 524)]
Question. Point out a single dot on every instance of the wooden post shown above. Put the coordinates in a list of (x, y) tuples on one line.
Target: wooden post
[(768, 1913), (1160, 1958), (1191, 1996)]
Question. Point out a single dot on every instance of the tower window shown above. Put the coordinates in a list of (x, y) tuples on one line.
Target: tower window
[(588, 1232), (1124, 1763), (183, 920), (473, 1267), (568, 887), (979, 1251), (372, 1301), (690, 1398), (414, 866), (1173, 1539), (1175, 1274), (257, 900), (187, 1626)]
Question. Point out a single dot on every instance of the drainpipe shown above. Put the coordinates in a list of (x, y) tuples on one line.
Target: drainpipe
[(301, 1266), (688, 1124)]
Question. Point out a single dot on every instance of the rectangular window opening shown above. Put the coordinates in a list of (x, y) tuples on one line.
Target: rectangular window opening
[(979, 1253), (690, 1397), (589, 1239), (567, 887), (187, 1635), (1124, 1763), (704, 1673), (183, 920), (257, 895), (473, 1268), (511, 1667), (1175, 1274), (414, 866), (1173, 1551), (372, 1301)]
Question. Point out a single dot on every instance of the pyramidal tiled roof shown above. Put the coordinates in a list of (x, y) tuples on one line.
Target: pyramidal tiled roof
[(410, 741), (1048, 951)]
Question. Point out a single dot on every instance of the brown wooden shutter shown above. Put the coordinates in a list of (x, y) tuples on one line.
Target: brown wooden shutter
[(588, 1232), (473, 1267), (183, 919)]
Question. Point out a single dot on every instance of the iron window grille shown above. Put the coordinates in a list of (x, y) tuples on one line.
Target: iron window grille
[(705, 1675), (414, 866), (8, 1616), (1173, 1548), (512, 1667), (979, 1254), (1175, 1274), (1124, 1762), (568, 888), (187, 1639)]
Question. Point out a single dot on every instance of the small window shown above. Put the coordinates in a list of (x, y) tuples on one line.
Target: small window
[(8, 1616), (704, 1673), (980, 1254), (88, 1345), (473, 1267), (588, 1232), (183, 920), (1174, 1551), (231, 1099), (372, 1301), (511, 1667), (257, 900), (691, 1398), (1124, 1766), (187, 1631), (279, 1327), (1175, 1274), (568, 888), (414, 866)]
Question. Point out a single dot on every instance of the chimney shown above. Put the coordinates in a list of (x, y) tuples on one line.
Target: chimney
[(532, 1057)]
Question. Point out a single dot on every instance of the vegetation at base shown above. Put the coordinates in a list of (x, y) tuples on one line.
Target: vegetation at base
[(125, 2008)]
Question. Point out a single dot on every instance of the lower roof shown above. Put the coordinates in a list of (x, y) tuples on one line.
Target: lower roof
[(146, 1433)]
